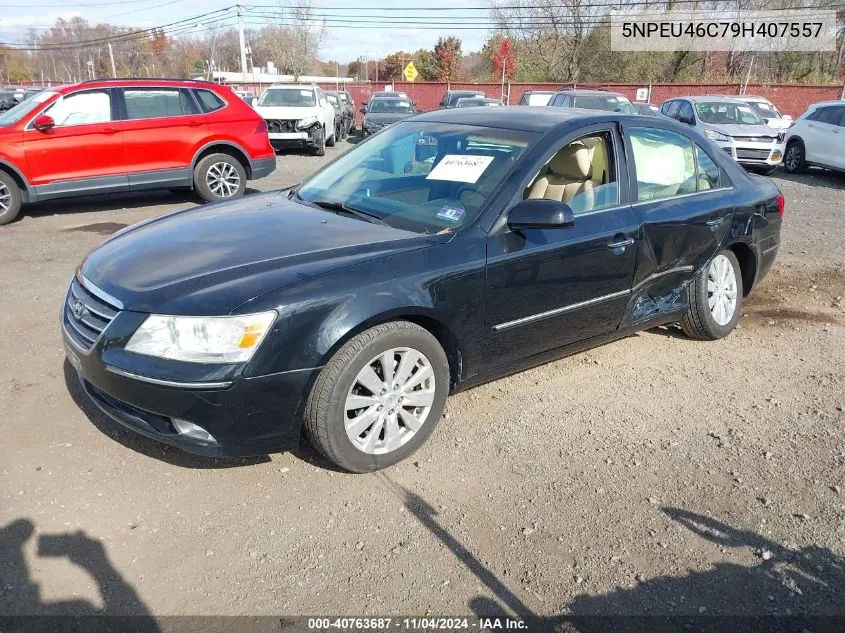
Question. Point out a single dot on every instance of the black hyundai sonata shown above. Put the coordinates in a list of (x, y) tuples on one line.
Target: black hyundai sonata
[(452, 248)]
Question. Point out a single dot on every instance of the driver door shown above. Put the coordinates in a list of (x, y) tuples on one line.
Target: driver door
[(548, 288)]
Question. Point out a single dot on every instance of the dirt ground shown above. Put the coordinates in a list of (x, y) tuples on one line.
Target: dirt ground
[(654, 475)]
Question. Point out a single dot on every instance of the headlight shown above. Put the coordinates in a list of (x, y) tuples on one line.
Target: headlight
[(716, 136), (306, 122), (226, 339)]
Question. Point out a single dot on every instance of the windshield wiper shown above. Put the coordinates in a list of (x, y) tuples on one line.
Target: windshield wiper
[(340, 207)]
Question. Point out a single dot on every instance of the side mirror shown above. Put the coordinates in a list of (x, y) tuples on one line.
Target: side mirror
[(541, 214), (253, 101), (686, 119), (43, 122), (363, 109)]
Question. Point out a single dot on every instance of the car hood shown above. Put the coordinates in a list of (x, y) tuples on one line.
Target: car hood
[(282, 112), (385, 118), (739, 130), (214, 258)]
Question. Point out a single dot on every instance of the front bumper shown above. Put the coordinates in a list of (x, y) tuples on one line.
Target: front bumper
[(245, 416), (303, 138), (763, 154)]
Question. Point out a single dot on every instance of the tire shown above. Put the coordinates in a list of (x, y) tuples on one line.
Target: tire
[(219, 173), (332, 140), (10, 198), (702, 322), (319, 148), (793, 157), (330, 425)]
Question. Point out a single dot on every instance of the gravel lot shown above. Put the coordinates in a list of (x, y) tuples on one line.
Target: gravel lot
[(654, 475)]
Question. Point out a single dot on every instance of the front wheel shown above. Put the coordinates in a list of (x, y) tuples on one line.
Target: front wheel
[(10, 198), (319, 147), (330, 142), (714, 299), (219, 177), (379, 397), (793, 161)]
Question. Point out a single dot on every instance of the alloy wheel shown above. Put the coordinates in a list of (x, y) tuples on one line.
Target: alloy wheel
[(5, 198), (792, 158), (721, 290), (223, 179), (389, 401)]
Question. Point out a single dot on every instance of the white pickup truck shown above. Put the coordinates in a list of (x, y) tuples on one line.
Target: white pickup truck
[(297, 116)]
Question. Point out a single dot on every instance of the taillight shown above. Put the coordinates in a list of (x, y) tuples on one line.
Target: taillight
[(781, 205), (262, 127)]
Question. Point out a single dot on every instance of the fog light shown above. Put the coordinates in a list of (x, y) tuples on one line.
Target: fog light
[(776, 155), (189, 429)]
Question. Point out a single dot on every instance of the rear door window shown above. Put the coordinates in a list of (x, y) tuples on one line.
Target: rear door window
[(664, 162), (672, 110), (831, 115), (157, 103), (707, 171)]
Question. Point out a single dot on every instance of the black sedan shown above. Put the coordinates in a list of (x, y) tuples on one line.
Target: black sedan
[(353, 304)]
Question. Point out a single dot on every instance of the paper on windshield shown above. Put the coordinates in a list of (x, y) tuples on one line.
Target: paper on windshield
[(460, 168)]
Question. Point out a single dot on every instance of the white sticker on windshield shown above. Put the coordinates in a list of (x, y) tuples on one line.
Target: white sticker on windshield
[(460, 168), (305, 93)]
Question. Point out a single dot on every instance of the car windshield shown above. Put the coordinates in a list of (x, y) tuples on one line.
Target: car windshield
[(726, 113), (27, 105), (290, 97), (463, 95), (420, 176), (390, 106), (609, 103), (764, 109), (539, 98), (471, 103)]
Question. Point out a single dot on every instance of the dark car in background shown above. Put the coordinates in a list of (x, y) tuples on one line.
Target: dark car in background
[(353, 304), (593, 100), (450, 98), (646, 109), (475, 102), (348, 105), (536, 97), (10, 97), (386, 111), (342, 122)]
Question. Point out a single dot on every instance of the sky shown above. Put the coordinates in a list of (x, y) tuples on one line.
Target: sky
[(344, 43)]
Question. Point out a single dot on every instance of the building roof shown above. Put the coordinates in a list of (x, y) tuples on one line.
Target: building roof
[(273, 78)]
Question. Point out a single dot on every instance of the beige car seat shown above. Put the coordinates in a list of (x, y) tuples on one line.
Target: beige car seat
[(568, 176)]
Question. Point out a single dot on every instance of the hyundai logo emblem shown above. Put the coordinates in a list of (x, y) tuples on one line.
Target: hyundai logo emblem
[(78, 309)]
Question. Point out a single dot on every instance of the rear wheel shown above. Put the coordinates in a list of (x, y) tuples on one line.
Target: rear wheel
[(793, 160), (714, 299), (10, 198), (218, 177), (379, 398)]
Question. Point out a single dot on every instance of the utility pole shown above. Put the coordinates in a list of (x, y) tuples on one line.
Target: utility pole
[(111, 55), (242, 39)]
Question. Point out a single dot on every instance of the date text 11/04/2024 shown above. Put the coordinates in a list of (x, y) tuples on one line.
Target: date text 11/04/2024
[(417, 624)]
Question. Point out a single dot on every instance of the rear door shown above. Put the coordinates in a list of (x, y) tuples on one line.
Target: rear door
[(824, 140), (162, 129), (83, 152), (685, 204)]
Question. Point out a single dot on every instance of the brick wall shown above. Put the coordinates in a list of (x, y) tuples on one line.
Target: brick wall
[(790, 99)]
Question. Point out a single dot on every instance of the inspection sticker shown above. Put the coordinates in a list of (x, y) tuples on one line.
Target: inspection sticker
[(450, 214), (460, 168)]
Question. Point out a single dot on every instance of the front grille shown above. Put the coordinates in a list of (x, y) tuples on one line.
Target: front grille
[(85, 316), (756, 139), (752, 154), (278, 126)]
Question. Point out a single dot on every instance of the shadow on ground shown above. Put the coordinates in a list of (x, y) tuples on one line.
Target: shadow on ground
[(797, 590)]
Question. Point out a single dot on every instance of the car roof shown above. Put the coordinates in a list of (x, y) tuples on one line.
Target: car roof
[(133, 81), (536, 119), (466, 92), (586, 92), (713, 98), (297, 86), (753, 98), (539, 92), (835, 102)]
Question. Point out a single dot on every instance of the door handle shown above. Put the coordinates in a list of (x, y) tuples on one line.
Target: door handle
[(622, 244), (194, 123), (110, 130)]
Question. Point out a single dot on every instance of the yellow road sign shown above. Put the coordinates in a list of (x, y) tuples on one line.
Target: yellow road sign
[(410, 72)]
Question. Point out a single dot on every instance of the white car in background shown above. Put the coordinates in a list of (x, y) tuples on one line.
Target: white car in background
[(298, 116), (767, 111), (817, 138)]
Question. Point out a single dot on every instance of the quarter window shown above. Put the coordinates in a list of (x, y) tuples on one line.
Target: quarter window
[(156, 103), (672, 110), (81, 108), (664, 162), (707, 171), (685, 113), (209, 102), (582, 174)]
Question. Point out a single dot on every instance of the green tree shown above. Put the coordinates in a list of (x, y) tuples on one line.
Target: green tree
[(447, 58)]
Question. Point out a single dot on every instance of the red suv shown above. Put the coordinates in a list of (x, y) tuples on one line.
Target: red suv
[(130, 134)]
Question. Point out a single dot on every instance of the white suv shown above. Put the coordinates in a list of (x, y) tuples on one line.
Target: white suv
[(298, 116), (817, 138)]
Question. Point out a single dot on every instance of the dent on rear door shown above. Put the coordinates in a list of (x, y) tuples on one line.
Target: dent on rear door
[(679, 236)]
